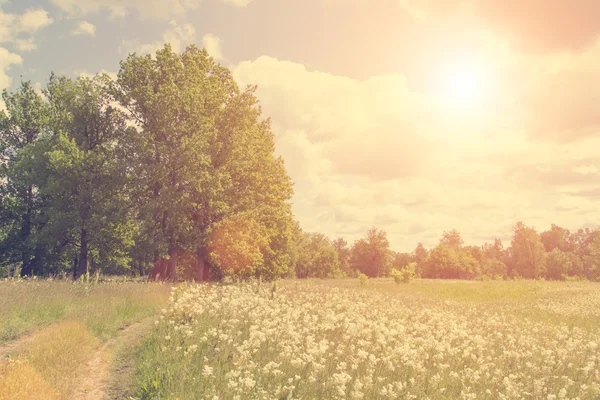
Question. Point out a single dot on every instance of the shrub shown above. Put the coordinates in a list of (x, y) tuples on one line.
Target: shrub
[(404, 275), (363, 279)]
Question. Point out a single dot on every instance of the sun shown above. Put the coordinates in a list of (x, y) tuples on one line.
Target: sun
[(463, 85)]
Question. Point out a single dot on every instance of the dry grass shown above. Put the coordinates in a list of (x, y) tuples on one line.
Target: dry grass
[(59, 354), (20, 381), (66, 323)]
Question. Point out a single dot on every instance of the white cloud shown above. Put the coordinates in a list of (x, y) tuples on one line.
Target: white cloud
[(7, 59), (84, 28), (179, 36), (19, 29), (157, 9), (213, 45), (374, 152)]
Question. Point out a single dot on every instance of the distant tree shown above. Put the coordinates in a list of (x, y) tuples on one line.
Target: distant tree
[(420, 256), (557, 237), (452, 239), (371, 254), (557, 264), (493, 250), (493, 267), (528, 252), (401, 260), (451, 263), (317, 257), (590, 254), (343, 252)]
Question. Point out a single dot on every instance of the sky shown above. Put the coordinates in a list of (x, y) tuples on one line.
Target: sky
[(414, 116)]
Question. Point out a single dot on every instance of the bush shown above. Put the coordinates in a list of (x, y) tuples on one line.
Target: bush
[(404, 275), (364, 279)]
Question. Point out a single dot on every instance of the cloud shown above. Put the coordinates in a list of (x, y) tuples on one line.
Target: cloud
[(212, 44), (155, 9), (544, 25), (376, 152), (7, 59), (19, 29), (562, 96), (533, 26), (84, 28), (178, 36)]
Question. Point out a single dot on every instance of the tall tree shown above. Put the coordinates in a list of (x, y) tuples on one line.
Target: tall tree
[(317, 258), (452, 239), (557, 238), (527, 252), (26, 122), (204, 155), (81, 176), (343, 253), (421, 255), (371, 254)]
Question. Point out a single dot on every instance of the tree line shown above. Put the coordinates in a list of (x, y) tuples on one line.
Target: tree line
[(554, 254), (172, 161)]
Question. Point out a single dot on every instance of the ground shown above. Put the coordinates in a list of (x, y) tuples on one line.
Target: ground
[(300, 339)]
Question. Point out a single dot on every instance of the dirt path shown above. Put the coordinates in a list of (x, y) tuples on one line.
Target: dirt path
[(94, 384), (6, 349)]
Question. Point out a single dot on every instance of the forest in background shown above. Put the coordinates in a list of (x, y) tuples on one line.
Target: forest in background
[(172, 158)]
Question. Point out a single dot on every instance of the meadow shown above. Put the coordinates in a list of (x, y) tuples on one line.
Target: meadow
[(57, 336), (305, 339), (340, 340)]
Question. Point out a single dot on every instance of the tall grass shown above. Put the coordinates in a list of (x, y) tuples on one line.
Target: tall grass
[(66, 323), (26, 305), (342, 340)]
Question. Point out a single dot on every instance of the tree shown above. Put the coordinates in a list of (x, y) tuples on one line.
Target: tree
[(557, 237), (318, 257), (203, 155), (343, 252), (420, 256), (26, 122), (557, 264), (80, 175), (493, 250), (451, 263), (452, 239), (400, 260), (237, 246), (493, 268), (371, 255), (527, 252)]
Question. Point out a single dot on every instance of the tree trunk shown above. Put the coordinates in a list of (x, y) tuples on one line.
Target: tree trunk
[(25, 233), (200, 265), (83, 255), (75, 264)]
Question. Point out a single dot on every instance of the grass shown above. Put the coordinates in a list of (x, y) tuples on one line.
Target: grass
[(27, 305), (309, 339), (338, 339), (56, 327)]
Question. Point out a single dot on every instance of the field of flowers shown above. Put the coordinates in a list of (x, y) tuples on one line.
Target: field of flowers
[(340, 340)]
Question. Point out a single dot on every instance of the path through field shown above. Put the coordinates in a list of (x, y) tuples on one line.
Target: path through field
[(95, 382), (9, 347)]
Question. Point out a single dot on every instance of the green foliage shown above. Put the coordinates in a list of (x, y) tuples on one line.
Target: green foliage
[(371, 255), (404, 275), (451, 263), (363, 279), (317, 257), (527, 252)]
